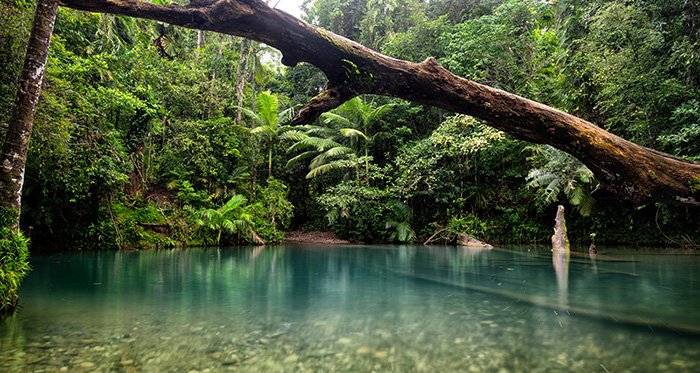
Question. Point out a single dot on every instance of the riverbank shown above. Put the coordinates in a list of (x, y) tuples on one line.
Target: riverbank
[(313, 237)]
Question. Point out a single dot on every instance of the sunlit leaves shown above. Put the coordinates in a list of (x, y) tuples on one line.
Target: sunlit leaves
[(462, 135)]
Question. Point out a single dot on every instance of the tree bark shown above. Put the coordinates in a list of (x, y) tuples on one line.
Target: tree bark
[(14, 150), (560, 240), (628, 171)]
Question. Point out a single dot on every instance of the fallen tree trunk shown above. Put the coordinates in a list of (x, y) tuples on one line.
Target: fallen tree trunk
[(628, 171)]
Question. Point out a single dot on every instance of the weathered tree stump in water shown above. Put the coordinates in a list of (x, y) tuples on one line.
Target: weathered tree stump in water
[(560, 241)]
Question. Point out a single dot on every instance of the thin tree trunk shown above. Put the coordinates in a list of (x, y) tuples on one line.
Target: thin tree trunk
[(14, 150), (240, 81)]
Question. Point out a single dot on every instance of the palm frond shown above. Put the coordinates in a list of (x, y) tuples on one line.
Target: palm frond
[(294, 134), (381, 135), (322, 169), (321, 144), (229, 226), (380, 110), (405, 233), (332, 216), (240, 172), (286, 116), (330, 118), (318, 131), (553, 189), (351, 132), (267, 107), (401, 210), (329, 155), (235, 202), (538, 178), (301, 157), (580, 197), (267, 130), (586, 205), (302, 144), (257, 120)]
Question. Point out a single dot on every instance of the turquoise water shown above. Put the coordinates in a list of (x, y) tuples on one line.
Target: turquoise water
[(356, 309)]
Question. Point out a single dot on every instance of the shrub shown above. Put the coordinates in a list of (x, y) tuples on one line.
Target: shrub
[(14, 262)]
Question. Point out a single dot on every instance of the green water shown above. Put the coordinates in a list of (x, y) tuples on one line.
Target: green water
[(356, 309)]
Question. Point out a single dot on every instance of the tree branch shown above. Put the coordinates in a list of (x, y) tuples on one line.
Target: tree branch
[(329, 99)]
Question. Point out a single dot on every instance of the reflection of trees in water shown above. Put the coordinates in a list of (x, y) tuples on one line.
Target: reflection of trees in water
[(193, 276), (248, 282), (560, 259)]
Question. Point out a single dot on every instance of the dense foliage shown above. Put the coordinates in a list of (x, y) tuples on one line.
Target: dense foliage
[(149, 135), (14, 258)]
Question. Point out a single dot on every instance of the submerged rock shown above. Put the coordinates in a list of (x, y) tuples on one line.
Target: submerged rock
[(87, 365), (232, 359)]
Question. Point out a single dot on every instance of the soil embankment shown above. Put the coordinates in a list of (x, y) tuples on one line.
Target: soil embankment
[(313, 238)]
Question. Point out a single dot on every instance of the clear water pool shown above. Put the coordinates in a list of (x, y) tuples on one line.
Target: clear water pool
[(356, 309)]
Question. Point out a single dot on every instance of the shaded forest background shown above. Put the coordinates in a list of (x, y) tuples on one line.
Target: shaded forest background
[(148, 135)]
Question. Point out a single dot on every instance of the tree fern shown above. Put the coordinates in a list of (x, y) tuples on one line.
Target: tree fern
[(562, 174)]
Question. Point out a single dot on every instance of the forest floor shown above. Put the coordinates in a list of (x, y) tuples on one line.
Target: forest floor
[(314, 237)]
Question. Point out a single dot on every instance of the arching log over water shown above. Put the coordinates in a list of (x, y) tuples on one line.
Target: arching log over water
[(628, 171)]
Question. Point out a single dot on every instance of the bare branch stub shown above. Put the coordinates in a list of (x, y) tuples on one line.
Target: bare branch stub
[(328, 100)]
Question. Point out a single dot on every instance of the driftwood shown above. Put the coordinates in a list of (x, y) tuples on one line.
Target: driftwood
[(256, 239), (464, 239)]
